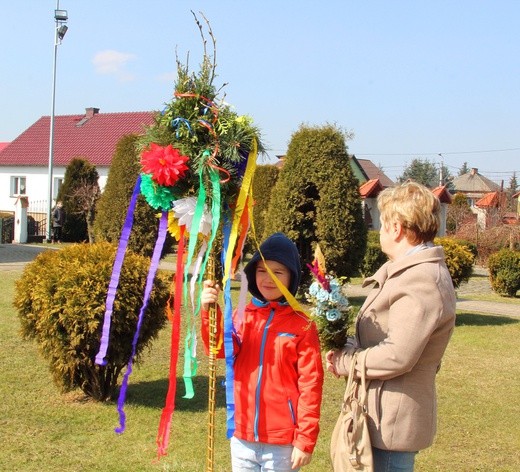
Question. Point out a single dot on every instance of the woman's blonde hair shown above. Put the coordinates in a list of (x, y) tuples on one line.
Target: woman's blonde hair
[(415, 207)]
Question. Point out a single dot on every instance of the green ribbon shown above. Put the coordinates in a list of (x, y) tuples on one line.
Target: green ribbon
[(190, 361)]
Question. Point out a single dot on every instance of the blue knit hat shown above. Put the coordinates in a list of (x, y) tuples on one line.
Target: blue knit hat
[(279, 248)]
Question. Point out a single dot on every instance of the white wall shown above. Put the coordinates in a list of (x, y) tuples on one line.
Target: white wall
[(37, 183)]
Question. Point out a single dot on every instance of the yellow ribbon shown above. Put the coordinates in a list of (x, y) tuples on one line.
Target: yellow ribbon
[(245, 190), (285, 292)]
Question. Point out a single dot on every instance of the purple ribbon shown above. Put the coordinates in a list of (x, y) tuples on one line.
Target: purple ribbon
[(116, 272), (156, 257)]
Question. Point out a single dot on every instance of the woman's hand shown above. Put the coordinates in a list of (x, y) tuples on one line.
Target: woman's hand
[(209, 294), (329, 357)]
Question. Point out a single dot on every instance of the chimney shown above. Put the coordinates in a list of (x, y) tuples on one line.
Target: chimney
[(90, 112), (473, 171)]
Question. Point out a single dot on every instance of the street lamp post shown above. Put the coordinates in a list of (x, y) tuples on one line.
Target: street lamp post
[(60, 17)]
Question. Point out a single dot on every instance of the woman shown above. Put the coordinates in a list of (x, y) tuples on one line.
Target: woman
[(406, 320)]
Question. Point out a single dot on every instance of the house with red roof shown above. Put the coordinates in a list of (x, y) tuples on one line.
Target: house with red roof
[(24, 163), (444, 196), (474, 186), (490, 210), (365, 170), (369, 192)]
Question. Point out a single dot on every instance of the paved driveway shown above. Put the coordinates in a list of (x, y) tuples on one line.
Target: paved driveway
[(479, 283), (15, 256)]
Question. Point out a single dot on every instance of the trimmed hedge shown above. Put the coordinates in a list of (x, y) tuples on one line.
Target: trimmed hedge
[(459, 260), (504, 272), (60, 300), (316, 200), (374, 256)]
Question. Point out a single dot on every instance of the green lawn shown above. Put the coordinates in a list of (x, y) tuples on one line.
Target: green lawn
[(42, 430)]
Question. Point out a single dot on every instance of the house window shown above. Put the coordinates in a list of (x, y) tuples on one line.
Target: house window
[(18, 186)]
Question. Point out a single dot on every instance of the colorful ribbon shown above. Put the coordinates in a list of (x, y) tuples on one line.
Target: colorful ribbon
[(154, 264), (285, 292), (228, 337), (116, 272), (245, 190), (163, 434)]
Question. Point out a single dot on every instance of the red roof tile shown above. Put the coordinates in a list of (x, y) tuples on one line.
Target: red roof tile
[(3, 145), (95, 139), (370, 189), (491, 199), (442, 194)]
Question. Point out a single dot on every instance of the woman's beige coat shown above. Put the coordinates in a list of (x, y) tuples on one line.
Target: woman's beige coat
[(406, 320)]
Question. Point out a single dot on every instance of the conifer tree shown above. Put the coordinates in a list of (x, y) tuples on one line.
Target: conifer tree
[(316, 200), (81, 178), (464, 169), (264, 181)]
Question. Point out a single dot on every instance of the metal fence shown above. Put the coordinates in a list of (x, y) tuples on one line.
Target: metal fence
[(36, 220)]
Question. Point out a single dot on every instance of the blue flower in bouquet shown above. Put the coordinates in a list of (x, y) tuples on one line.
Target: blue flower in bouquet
[(322, 295), (337, 298), (314, 289), (335, 285), (333, 315)]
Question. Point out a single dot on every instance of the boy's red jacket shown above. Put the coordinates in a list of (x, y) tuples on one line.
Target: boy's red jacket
[(278, 375)]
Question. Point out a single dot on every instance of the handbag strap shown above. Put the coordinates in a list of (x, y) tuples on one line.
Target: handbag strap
[(350, 390), (363, 386)]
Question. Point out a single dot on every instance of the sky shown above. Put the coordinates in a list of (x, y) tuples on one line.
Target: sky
[(433, 80)]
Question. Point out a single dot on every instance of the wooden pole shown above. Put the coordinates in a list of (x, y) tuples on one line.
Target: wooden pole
[(212, 374)]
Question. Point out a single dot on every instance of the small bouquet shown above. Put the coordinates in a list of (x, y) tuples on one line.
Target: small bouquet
[(331, 311)]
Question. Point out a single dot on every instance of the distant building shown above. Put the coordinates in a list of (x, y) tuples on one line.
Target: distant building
[(24, 163), (444, 197), (92, 136), (474, 186), (369, 192), (363, 169)]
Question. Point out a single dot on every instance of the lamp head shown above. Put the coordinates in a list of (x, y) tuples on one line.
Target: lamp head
[(62, 30), (60, 15)]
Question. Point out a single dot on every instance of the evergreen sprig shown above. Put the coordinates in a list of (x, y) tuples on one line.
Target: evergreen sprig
[(203, 127)]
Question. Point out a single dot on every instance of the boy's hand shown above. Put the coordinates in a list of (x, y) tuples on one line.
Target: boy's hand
[(209, 294), (300, 458)]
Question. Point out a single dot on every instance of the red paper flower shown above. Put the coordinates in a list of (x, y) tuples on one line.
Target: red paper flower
[(166, 164)]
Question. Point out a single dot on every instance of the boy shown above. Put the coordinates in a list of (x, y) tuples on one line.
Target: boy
[(278, 368)]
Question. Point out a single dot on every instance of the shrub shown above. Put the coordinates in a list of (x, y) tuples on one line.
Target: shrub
[(458, 259), (316, 200), (60, 300), (469, 245), (374, 256), (504, 272), (490, 240)]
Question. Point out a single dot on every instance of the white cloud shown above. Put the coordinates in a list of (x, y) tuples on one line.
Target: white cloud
[(112, 62)]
